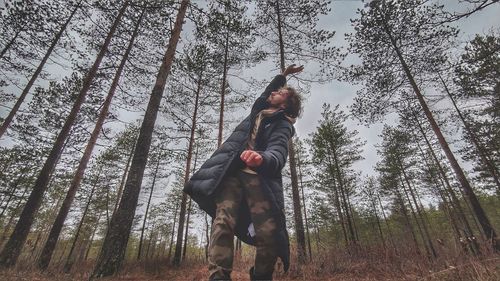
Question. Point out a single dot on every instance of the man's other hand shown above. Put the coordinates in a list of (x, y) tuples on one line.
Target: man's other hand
[(251, 158), (292, 69)]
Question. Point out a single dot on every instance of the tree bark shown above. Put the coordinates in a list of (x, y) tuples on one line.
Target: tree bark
[(15, 108), (172, 235), (305, 208), (12, 249), (297, 210), (184, 248), (223, 91), (115, 242), (182, 214)]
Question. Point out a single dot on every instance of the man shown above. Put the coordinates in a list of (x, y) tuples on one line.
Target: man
[(240, 186)]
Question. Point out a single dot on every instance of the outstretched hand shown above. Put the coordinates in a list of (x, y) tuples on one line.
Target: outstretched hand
[(251, 158), (292, 69)]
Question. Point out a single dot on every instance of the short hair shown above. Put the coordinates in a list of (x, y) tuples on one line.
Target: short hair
[(293, 103)]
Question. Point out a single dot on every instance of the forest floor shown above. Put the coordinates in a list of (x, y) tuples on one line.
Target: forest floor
[(326, 268)]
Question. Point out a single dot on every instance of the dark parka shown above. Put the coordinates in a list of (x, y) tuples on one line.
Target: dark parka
[(272, 143)]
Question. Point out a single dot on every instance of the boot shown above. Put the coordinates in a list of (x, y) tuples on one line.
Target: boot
[(264, 277)]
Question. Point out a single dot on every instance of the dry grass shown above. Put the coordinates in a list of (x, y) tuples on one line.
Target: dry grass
[(333, 265)]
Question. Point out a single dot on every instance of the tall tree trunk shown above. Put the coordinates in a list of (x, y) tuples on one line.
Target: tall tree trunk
[(71, 259), (184, 247), (341, 185), (444, 199), (12, 249), (469, 192), (182, 214), (147, 210), (299, 225), (386, 223), (407, 220), (449, 190), (207, 236), (223, 91), (338, 206), (492, 169), (305, 208), (379, 226), (44, 260), (297, 213), (414, 215), (172, 235), (189, 210), (92, 237), (26, 89), (427, 240), (115, 242)]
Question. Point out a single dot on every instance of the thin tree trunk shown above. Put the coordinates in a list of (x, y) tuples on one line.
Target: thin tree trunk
[(305, 207), (11, 42), (407, 220), (444, 199), (386, 223), (427, 240), (26, 89), (147, 210), (172, 235), (456, 203), (417, 222), (12, 249), (297, 210), (92, 237), (184, 249), (150, 241), (70, 260), (475, 140), (115, 242), (341, 186), (207, 236), (223, 91), (469, 192), (182, 215), (379, 226), (299, 225)]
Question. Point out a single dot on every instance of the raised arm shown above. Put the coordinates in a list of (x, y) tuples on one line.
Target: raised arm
[(278, 82)]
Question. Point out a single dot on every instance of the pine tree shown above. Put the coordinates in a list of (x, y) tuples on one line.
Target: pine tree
[(395, 42), (113, 250), (335, 149)]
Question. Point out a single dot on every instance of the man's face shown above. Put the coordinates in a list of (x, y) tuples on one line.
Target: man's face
[(278, 98)]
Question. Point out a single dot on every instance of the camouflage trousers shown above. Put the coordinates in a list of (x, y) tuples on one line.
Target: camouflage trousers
[(233, 190)]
